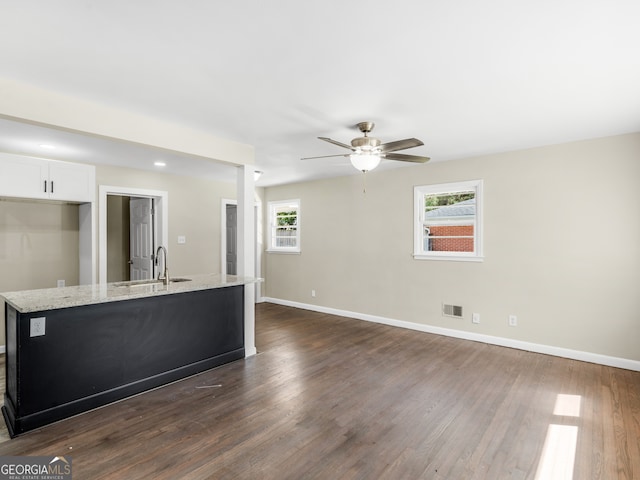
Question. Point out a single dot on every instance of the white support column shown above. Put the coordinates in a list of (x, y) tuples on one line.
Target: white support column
[(246, 252)]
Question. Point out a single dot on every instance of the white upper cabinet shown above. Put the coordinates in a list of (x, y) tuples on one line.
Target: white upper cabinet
[(72, 181), (30, 177)]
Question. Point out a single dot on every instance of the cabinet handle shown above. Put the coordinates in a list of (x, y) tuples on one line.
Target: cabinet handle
[(51, 186), (45, 186)]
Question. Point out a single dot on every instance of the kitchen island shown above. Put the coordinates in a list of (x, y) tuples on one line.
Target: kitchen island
[(72, 349)]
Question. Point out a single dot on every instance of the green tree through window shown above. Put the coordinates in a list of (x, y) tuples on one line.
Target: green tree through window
[(442, 200), (287, 218)]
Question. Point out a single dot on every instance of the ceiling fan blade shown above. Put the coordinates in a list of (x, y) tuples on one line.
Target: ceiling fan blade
[(400, 145), (406, 158), (325, 156), (335, 142)]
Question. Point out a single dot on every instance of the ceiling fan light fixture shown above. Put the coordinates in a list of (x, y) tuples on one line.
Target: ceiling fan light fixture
[(365, 161), (368, 151)]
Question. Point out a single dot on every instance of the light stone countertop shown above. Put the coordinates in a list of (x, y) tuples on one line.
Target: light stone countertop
[(53, 298)]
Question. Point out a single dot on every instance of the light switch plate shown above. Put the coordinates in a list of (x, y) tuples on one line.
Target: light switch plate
[(182, 239), (37, 326)]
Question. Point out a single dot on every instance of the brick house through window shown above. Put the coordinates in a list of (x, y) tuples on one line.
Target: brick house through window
[(450, 228)]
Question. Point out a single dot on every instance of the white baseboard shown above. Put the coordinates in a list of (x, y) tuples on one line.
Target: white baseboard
[(476, 337)]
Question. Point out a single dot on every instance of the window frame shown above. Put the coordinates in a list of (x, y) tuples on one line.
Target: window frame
[(419, 192), (272, 209)]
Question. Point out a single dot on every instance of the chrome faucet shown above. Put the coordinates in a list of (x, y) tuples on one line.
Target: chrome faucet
[(164, 276)]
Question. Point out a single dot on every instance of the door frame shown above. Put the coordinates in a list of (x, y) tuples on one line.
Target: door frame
[(161, 205), (258, 240)]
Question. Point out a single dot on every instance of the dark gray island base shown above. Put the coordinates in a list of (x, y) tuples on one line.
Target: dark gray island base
[(95, 354)]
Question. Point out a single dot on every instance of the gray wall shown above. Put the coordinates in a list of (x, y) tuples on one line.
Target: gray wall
[(118, 238), (194, 211), (38, 247), (561, 241)]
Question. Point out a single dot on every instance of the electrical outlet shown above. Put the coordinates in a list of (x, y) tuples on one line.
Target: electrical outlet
[(475, 318), (37, 325), (61, 283), (182, 239), (313, 293), (513, 321)]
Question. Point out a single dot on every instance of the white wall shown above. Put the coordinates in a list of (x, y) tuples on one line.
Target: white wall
[(33, 104), (562, 231)]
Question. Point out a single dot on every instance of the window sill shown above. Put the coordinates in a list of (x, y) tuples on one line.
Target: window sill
[(451, 258), (285, 252)]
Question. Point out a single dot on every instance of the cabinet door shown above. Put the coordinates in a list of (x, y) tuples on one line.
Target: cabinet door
[(71, 181), (24, 177)]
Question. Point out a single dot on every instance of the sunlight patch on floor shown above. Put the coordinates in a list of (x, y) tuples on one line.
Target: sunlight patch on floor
[(567, 405), (559, 451)]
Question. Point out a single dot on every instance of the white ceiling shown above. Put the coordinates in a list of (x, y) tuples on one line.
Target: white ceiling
[(466, 77)]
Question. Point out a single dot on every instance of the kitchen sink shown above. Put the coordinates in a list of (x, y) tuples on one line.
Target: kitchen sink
[(137, 283), (142, 283)]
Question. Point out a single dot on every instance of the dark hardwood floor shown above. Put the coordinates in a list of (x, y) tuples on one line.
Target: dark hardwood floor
[(335, 398)]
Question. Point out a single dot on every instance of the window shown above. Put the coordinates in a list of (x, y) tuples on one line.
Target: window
[(448, 221), (284, 226)]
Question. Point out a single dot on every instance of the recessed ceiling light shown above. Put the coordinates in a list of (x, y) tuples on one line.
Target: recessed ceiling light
[(47, 146), (160, 164)]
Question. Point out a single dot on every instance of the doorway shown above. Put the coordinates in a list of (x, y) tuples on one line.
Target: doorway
[(229, 240), (131, 238), (138, 223), (231, 250)]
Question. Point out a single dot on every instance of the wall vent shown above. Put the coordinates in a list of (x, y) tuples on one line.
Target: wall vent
[(452, 310)]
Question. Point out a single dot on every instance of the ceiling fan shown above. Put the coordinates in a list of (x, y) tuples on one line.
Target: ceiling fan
[(366, 151)]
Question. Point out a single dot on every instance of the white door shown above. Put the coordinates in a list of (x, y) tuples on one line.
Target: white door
[(141, 238)]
